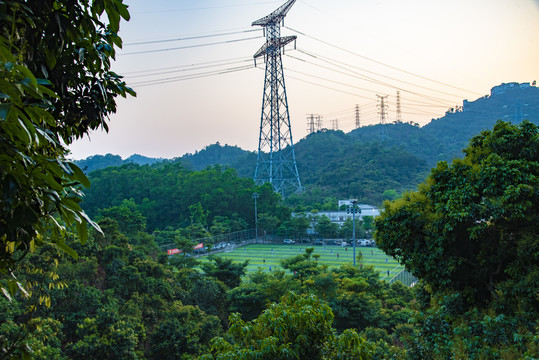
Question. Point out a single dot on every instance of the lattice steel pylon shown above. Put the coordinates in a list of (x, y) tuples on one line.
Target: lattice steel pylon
[(276, 162)]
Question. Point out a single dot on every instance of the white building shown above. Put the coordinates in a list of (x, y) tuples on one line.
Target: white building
[(340, 216)]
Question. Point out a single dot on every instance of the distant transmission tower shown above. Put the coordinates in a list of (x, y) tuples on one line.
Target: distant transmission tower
[(335, 124), (357, 116), (319, 123), (276, 162), (399, 113), (382, 113), (310, 124)]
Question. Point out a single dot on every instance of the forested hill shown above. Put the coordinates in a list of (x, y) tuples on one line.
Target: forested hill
[(445, 137), (373, 159), (97, 162)]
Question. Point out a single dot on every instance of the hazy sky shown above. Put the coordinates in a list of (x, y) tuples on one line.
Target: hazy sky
[(204, 88)]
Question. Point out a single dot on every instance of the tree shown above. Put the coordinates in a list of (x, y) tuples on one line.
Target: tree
[(268, 222), (108, 336), (303, 265), (225, 270), (185, 332), (471, 227), (390, 194), (325, 228), (299, 327), (128, 216), (300, 224), (56, 86)]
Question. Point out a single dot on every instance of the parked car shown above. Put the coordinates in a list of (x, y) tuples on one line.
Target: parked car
[(318, 242), (366, 242), (288, 241)]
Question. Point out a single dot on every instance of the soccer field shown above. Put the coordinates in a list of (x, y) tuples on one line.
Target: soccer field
[(268, 256)]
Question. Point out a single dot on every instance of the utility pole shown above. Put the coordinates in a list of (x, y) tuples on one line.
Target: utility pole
[(276, 161), (382, 113), (353, 208), (255, 196), (399, 114), (357, 116)]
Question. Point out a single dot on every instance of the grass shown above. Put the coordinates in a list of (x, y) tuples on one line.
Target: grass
[(265, 256)]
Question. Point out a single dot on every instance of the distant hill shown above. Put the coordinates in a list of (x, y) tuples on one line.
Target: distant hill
[(369, 160), (509, 102), (97, 162), (445, 137), (244, 161)]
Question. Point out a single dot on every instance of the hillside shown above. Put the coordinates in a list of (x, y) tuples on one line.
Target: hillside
[(508, 102), (97, 162), (366, 162)]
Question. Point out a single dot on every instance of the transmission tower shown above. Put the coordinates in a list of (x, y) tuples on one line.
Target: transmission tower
[(399, 113), (335, 124), (276, 162), (319, 123), (310, 124), (382, 113), (357, 116)]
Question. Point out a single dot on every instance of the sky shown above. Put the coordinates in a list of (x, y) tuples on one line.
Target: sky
[(191, 64)]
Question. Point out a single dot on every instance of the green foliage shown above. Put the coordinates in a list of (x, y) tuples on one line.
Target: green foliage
[(108, 336), (303, 265), (470, 228), (356, 296), (56, 86), (225, 270), (127, 215), (469, 234), (170, 196), (182, 332), (390, 194), (299, 327), (325, 228)]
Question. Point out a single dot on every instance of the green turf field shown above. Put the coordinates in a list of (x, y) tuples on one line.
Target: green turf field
[(266, 255)]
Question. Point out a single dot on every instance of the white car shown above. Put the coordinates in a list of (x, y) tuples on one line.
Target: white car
[(288, 241)]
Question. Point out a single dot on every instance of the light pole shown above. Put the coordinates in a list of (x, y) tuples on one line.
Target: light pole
[(255, 196), (354, 202)]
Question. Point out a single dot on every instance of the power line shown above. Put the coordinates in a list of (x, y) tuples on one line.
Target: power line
[(381, 63), (190, 46), (191, 77), (324, 86), (189, 38), (363, 77), (186, 65), (206, 8), (329, 60), (189, 69)]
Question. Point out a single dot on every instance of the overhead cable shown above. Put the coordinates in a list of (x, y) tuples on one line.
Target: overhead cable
[(190, 46), (189, 38), (381, 63)]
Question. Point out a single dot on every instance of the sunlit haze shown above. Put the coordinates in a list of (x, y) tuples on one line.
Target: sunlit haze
[(201, 87)]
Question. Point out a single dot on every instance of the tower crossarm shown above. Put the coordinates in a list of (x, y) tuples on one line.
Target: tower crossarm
[(276, 16), (275, 44)]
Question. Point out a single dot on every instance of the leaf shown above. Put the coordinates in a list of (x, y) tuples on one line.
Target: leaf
[(79, 175), (65, 167), (83, 232), (4, 110), (68, 250), (23, 290), (6, 294)]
